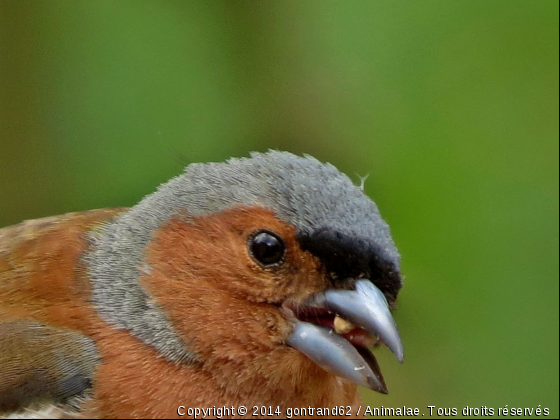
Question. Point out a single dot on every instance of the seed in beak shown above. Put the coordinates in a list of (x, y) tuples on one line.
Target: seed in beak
[(341, 326)]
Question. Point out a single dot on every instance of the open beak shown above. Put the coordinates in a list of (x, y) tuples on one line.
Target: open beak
[(336, 327)]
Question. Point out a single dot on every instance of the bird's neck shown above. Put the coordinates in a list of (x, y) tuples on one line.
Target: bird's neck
[(290, 381)]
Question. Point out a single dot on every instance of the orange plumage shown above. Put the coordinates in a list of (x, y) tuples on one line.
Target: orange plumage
[(203, 295)]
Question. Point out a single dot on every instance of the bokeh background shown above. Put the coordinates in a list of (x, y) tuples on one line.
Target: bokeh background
[(450, 107)]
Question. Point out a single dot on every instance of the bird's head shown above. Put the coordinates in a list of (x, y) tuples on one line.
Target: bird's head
[(264, 260)]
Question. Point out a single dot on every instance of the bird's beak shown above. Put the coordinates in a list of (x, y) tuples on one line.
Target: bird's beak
[(337, 350)]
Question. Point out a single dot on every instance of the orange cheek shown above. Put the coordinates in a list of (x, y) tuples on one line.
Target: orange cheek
[(213, 249), (201, 273)]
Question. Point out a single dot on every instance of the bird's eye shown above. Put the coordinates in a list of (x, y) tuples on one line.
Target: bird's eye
[(266, 248)]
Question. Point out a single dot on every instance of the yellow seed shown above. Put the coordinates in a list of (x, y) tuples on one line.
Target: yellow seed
[(342, 326)]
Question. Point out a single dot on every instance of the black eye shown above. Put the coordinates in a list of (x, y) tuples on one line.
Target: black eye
[(266, 248)]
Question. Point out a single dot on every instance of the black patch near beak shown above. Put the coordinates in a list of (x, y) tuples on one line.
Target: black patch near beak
[(366, 281), (346, 256)]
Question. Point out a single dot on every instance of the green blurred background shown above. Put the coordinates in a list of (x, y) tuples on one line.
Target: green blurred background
[(450, 106)]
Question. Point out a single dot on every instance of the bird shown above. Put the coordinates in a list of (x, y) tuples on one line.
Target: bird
[(259, 282)]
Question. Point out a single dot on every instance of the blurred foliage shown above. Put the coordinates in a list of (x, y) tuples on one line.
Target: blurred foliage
[(451, 107)]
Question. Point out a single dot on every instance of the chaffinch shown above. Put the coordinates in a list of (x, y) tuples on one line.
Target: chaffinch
[(260, 281)]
